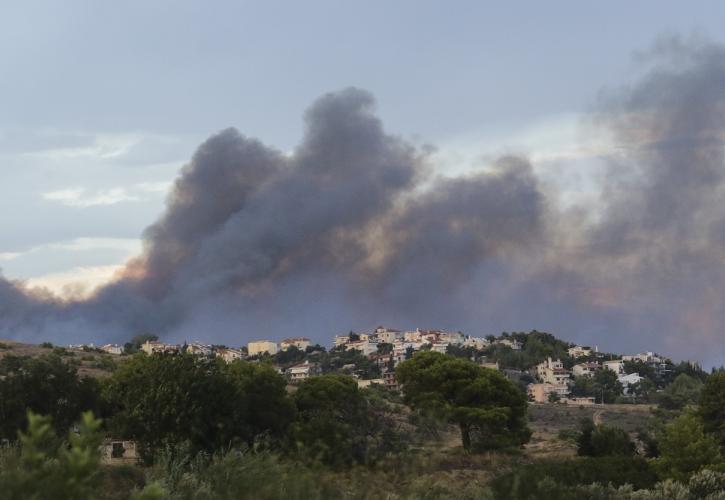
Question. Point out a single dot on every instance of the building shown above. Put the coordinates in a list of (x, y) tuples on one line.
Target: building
[(579, 400), (389, 380), (479, 343), (199, 349), (552, 372), (645, 357), (365, 347), (303, 371), (119, 452), (485, 363), (112, 349), (387, 335), (579, 351), (413, 336), (153, 347), (539, 393), (228, 354), (341, 340), (513, 344), (367, 383), (258, 347), (441, 347), (451, 337), (628, 380), (616, 365), (586, 369), (301, 343)]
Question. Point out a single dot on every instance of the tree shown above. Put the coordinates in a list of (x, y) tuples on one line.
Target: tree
[(133, 346), (167, 399), (583, 386), (640, 368), (44, 385), (489, 410), (712, 406), (603, 440), (644, 390), (261, 405), (685, 390), (332, 420), (170, 399), (606, 386), (685, 448), (45, 466)]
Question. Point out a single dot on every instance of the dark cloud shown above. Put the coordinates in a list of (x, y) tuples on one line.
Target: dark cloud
[(349, 229)]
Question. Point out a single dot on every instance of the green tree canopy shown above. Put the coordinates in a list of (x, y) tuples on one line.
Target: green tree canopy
[(489, 409), (603, 440), (169, 399), (685, 448), (683, 391), (332, 420), (606, 386), (45, 385), (712, 406)]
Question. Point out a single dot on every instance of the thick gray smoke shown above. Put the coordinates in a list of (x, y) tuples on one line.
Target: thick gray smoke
[(352, 229)]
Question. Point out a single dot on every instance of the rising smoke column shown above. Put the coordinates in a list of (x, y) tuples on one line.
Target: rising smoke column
[(245, 222), (351, 228)]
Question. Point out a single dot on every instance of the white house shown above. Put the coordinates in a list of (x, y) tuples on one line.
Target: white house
[(303, 371), (257, 347), (199, 349), (513, 344), (112, 349), (628, 380), (644, 357)]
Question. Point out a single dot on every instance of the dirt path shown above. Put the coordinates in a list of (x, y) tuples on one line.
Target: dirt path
[(597, 417)]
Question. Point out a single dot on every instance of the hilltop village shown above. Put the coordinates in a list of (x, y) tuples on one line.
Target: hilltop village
[(550, 370)]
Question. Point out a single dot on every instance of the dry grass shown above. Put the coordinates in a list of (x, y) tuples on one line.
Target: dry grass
[(86, 362)]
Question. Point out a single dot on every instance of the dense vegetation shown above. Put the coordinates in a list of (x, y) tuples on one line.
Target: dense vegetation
[(208, 429)]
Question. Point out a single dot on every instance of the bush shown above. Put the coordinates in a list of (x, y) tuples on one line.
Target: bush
[(603, 440), (47, 345), (524, 482)]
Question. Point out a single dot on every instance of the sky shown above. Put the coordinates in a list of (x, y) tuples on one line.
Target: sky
[(103, 103)]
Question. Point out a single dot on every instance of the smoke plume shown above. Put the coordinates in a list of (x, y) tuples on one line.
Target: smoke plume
[(353, 228)]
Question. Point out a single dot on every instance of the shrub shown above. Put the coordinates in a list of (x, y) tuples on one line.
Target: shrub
[(524, 481), (603, 440)]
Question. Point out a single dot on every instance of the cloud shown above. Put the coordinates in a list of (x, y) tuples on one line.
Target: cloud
[(83, 198), (79, 197), (77, 283)]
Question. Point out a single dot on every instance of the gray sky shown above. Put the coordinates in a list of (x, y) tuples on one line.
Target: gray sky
[(101, 103)]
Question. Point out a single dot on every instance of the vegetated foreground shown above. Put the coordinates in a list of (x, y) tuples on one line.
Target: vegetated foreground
[(204, 428)]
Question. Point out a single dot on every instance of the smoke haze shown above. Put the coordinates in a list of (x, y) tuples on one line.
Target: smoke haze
[(353, 228)]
